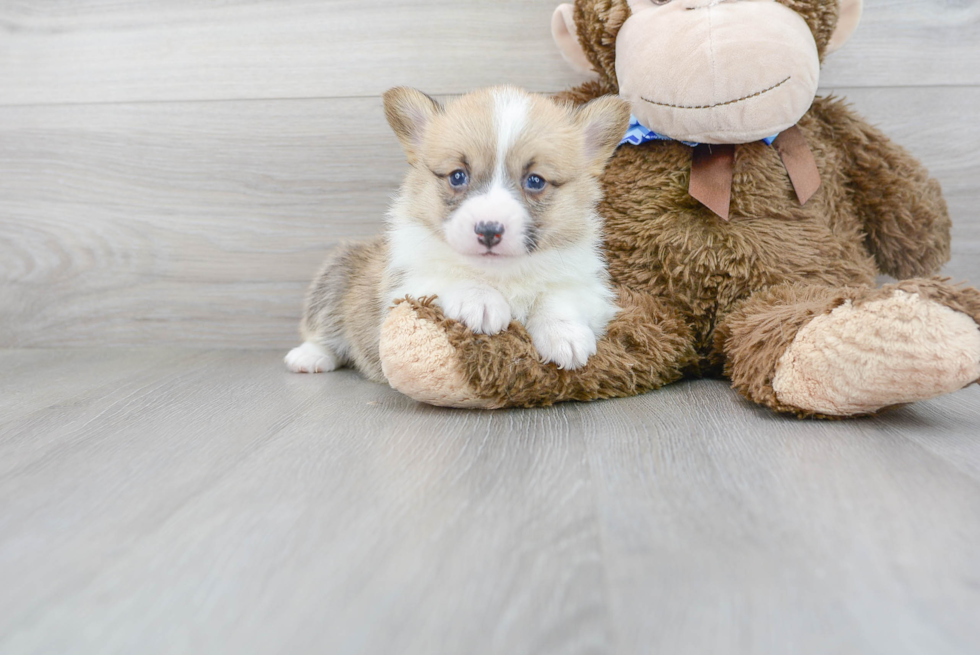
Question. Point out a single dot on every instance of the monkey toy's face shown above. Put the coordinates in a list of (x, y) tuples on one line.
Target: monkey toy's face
[(714, 71)]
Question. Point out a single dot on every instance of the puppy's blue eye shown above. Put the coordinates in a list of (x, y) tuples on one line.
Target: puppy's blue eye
[(458, 178), (534, 183)]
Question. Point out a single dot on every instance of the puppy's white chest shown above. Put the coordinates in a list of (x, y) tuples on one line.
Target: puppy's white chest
[(520, 298)]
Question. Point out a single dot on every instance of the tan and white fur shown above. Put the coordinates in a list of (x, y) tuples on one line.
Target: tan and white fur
[(496, 219)]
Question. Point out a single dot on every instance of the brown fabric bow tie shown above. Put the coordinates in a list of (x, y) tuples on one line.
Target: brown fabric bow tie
[(711, 170)]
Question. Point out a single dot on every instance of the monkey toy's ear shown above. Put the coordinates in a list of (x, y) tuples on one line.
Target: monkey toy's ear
[(566, 37), (850, 16)]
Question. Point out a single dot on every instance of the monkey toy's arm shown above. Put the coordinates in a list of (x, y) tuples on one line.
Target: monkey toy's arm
[(900, 206)]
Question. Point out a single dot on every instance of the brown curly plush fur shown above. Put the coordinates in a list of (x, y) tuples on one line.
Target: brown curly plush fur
[(645, 347), (702, 296)]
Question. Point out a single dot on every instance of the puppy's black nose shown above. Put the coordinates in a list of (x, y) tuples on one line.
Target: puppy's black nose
[(489, 234)]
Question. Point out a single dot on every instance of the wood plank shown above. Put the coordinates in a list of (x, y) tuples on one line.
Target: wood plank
[(213, 503), (945, 435), (202, 223), (219, 504), (729, 530), (192, 208), (922, 43), (91, 51), (180, 50), (35, 380)]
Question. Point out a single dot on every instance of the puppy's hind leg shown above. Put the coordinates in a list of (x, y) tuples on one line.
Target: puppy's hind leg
[(325, 347), (311, 357)]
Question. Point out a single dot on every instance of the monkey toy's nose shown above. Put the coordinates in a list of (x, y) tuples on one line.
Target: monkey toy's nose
[(489, 234)]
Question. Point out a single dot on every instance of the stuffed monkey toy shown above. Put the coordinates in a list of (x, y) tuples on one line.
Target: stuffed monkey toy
[(746, 222)]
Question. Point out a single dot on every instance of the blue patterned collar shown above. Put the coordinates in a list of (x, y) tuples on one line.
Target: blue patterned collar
[(638, 134)]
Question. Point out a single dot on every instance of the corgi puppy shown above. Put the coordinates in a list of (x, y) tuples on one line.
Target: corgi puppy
[(496, 219)]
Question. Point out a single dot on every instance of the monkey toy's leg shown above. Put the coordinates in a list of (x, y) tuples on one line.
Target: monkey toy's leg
[(440, 362), (835, 352)]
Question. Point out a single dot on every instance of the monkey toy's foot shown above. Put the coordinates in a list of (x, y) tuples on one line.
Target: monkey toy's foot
[(862, 357), (419, 360)]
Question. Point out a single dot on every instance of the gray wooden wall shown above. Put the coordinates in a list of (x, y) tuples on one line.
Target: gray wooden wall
[(173, 172)]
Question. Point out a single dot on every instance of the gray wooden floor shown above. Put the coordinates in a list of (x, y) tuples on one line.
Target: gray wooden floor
[(182, 501)]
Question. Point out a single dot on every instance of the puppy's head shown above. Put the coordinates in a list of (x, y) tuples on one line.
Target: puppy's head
[(501, 173)]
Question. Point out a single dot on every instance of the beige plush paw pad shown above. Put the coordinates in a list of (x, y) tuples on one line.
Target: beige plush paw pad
[(856, 360), (419, 361)]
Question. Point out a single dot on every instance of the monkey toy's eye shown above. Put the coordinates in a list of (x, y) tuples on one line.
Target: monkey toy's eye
[(534, 183), (661, 2), (458, 179)]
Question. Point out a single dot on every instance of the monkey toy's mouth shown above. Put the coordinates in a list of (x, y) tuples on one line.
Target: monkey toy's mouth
[(725, 103)]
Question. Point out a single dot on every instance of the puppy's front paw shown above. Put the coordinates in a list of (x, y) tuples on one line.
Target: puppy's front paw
[(569, 344), (481, 309)]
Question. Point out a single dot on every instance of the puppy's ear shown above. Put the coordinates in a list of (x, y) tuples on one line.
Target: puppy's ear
[(604, 122), (409, 113)]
